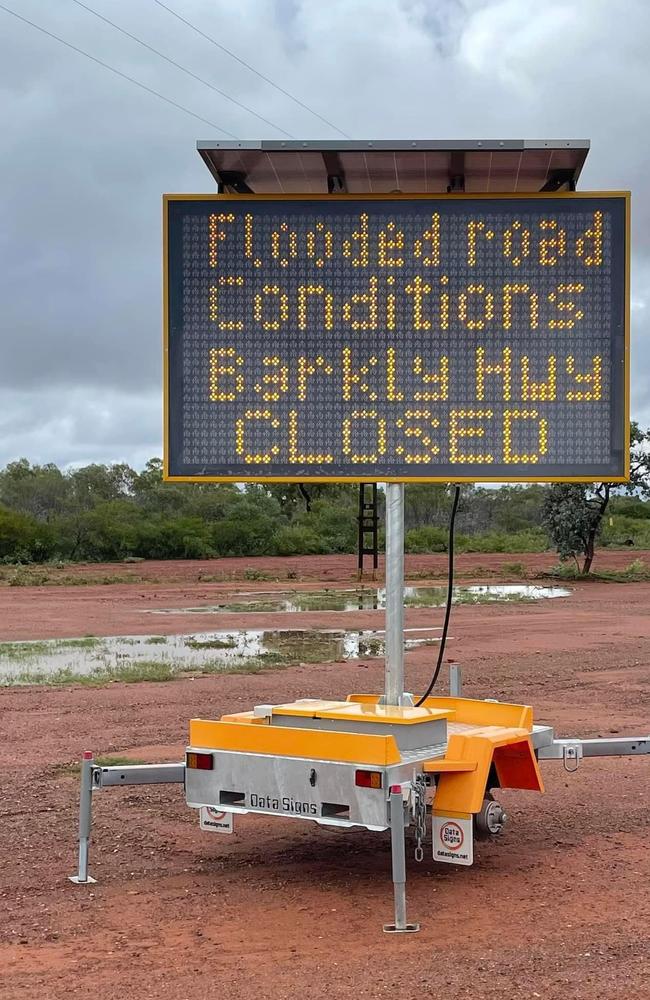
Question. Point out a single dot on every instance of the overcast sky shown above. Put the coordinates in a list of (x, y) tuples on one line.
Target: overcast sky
[(85, 157)]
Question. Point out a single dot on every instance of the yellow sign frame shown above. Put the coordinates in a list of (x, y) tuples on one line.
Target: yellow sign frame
[(541, 196)]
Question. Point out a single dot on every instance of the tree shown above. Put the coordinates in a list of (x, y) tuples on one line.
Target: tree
[(573, 512), (41, 491)]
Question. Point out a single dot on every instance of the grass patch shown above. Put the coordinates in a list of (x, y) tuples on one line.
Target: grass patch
[(635, 572), (249, 665), (156, 640), (256, 574), (126, 673), (46, 576), (87, 642), (515, 569), (73, 769), (24, 650), (41, 647), (150, 671), (210, 643)]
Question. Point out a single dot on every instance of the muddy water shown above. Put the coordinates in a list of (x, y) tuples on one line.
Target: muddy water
[(158, 657), (368, 599)]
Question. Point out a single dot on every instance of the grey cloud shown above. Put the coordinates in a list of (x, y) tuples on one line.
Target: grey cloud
[(85, 158)]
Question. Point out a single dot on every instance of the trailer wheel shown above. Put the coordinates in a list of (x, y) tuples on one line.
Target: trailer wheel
[(490, 820)]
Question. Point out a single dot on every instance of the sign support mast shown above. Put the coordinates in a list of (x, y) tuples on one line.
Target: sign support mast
[(394, 659)]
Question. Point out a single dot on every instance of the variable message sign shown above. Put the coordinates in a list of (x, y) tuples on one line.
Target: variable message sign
[(479, 338)]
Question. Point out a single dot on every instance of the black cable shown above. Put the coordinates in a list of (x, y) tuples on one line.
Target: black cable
[(183, 69), (112, 69), (243, 62), (450, 594)]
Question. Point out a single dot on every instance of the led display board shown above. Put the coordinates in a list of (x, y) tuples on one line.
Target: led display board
[(450, 338)]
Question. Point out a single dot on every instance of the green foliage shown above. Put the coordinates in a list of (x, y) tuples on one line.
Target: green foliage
[(255, 574), (114, 513), (625, 531), (22, 538), (574, 513), (297, 539), (635, 572), (530, 540), (571, 519), (426, 539)]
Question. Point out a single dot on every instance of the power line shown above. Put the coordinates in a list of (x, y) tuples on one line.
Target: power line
[(243, 62), (183, 69), (117, 72)]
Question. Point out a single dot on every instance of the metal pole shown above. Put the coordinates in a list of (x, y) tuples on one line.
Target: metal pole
[(85, 819), (455, 680), (394, 659), (398, 852)]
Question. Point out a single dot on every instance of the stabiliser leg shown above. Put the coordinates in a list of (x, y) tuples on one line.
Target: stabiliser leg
[(398, 850), (85, 819)]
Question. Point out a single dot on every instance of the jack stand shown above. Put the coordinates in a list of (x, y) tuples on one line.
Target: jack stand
[(398, 850), (85, 819)]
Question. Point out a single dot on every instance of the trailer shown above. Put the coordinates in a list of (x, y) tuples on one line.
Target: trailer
[(242, 353)]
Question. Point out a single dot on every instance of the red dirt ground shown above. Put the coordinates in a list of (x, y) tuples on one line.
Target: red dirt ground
[(558, 907)]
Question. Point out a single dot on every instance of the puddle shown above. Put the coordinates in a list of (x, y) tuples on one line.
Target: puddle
[(157, 657), (368, 599)]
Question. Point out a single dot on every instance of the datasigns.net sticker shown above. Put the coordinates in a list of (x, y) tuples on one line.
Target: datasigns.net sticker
[(453, 842)]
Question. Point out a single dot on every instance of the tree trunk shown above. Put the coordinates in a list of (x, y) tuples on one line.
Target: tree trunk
[(590, 545), (589, 553)]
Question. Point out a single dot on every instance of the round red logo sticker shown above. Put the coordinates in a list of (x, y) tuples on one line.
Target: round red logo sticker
[(214, 813), (451, 836)]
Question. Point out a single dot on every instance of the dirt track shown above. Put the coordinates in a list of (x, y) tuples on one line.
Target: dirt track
[(559, 907)]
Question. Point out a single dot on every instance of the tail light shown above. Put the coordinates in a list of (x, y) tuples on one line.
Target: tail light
[(199, 761), (368, 779)]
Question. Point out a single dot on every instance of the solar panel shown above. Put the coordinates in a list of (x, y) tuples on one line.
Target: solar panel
[(384, 167)]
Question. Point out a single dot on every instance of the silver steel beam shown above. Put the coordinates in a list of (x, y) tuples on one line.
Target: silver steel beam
[(85, 819), (394, 660), (398, 854), (623, 746), (138, 774)]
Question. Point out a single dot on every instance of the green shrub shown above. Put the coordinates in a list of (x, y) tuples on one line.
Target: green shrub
[(255, 574), (530, 540), (22, 538), (426, 539), (297, 539), (624, 529)]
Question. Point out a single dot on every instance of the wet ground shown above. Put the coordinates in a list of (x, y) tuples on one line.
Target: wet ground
[(557, 908), (367, 599), (158, 657)]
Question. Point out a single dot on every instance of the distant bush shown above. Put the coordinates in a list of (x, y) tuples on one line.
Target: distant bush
[(426, 539), (23, 538), (530, 540), (626, 529), (297, 539), (432, 539)]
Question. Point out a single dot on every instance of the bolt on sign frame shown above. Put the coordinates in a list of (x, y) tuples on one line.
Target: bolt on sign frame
[(379, 761)]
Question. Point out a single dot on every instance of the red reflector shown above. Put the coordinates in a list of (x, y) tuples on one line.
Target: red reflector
[(368, 779), (200, 761)]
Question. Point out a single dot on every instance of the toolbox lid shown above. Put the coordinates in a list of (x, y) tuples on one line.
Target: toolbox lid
[(315, 708)]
